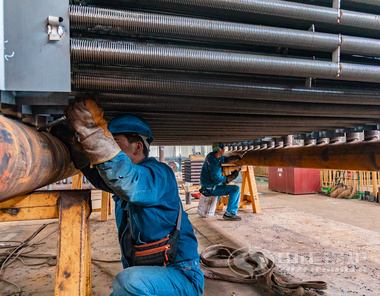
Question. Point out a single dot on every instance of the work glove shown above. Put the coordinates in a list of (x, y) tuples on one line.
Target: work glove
[(234, 158), (66, 133), (87, 119), (232, 176)]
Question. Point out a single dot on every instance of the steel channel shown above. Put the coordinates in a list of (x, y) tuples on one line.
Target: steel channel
[(29, 159), (129, 22)]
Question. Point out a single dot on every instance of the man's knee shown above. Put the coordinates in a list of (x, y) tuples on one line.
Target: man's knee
[(129, 282)]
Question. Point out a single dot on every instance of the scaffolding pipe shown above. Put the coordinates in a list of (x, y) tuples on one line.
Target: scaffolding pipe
[(360, 156), (104, 20), (248, 10), (29, 159)]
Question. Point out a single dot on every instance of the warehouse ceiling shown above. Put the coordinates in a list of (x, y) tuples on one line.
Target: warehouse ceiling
[(234, 71)]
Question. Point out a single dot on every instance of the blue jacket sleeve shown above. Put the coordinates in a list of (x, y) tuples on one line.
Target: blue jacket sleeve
[(224, 159), (216, 171), (95, 179), (133, 183)]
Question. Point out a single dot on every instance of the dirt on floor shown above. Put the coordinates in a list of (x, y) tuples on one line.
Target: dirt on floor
[(309, 237)]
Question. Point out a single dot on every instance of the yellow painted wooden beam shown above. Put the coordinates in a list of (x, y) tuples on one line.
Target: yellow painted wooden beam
[(35, 206), (104, 207), (77, 181), (73, 272), (253, 190)]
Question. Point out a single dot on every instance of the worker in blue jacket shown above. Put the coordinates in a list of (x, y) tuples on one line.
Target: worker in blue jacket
[(215, 184), (157, 241)]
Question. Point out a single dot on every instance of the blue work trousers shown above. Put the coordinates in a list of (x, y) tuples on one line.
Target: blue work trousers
[(179, 279), (233, 192)]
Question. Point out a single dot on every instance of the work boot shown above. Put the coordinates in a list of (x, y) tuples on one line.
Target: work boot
[(231, 217)]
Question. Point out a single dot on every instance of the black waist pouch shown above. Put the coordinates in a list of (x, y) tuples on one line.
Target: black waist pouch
[(162, 252)]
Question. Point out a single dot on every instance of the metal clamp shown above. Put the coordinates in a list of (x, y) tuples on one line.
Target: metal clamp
[(55, 30)]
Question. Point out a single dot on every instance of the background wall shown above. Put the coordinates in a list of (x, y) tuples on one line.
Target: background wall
[(174, 151)]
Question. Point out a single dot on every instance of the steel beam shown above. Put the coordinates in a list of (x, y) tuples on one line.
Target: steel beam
[(29, 159), (361, 156)]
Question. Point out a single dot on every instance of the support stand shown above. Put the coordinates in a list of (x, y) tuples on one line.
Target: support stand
[(249, 195), (73, 208)]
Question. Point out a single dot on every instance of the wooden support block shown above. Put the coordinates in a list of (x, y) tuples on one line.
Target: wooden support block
[(35, 206), (73, 255)]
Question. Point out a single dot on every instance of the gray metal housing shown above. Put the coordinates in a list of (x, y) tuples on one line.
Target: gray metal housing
[(30, 61)]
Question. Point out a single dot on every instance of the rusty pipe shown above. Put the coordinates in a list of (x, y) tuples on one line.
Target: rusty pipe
[(360, 156), (29, 159)]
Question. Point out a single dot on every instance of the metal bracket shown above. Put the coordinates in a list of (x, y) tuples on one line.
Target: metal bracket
[(336, 5), (310, 81), (55, 30), (336, 56)]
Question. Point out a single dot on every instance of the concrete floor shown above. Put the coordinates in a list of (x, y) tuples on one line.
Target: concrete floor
[(311, 237)]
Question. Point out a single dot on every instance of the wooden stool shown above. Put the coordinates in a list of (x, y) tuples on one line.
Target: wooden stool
[(249, 195)]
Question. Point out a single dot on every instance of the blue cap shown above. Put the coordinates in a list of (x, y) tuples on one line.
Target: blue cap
[(131, 123)]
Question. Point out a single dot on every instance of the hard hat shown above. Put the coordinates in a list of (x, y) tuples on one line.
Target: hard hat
[(131, 123), (217, 146)]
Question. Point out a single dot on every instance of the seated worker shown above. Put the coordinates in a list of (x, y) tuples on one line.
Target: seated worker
[(147, 205), (214, 183)]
